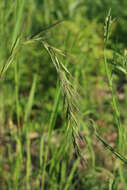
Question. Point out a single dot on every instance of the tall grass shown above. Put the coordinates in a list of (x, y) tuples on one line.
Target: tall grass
[(49, 152), (108, 23)]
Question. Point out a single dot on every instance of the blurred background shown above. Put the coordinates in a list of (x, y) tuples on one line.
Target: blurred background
[(36, 149)]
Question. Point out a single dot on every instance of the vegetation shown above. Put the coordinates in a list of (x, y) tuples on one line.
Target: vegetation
[(63, 95)]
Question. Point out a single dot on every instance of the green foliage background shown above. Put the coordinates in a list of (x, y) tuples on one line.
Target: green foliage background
[(36, 149)]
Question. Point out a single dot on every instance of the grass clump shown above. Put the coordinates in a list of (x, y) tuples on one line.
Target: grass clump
[(53, 82)]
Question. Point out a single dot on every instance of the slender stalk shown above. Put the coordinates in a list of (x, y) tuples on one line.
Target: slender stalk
[(28, 163), (114, 103), (110, 83), (51, 126), (108, 23), (17, 94)]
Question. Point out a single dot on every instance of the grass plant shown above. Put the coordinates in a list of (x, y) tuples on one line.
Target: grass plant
[(59, 77)]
